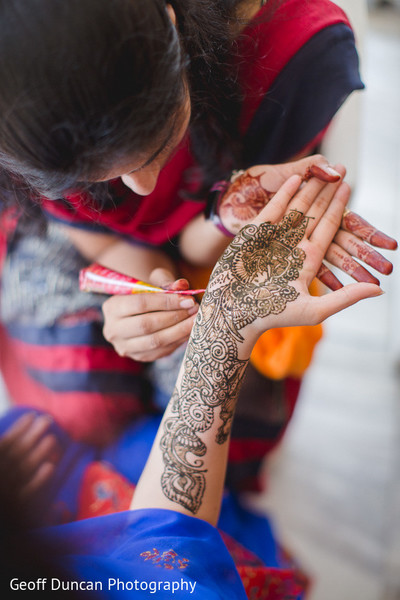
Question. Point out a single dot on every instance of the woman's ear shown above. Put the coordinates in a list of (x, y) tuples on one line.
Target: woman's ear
[(171, 13)]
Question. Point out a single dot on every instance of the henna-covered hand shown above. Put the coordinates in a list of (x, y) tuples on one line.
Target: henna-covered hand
[(261, 281), (251, 190)]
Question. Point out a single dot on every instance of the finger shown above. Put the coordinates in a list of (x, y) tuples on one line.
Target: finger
[(326, 227), (42, 475), (356, 247), (179, 285), (353, 223), (325, 276), (311, 166), (278, 205), (329, 304), (31, 436), (344, 261), (162, 277), (323, 172), (340, 192), (43, 451), (118, 307), (314, 199), (307, 195), (140, 326), (157, 341), (18, 428)]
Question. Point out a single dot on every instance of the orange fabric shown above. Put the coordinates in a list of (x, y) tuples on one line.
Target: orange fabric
[(279, 353), (285, 352)]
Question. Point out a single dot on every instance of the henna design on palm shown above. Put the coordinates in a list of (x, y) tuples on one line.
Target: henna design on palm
[(251, 280)]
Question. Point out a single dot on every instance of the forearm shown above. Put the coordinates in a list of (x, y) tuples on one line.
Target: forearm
[(201, 243), (118, 254), (136, 261), (186, 468)]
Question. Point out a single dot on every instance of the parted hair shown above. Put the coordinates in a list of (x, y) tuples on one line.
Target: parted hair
[(86, 83)]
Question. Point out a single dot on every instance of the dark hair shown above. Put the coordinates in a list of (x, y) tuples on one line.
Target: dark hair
[(86, 82)]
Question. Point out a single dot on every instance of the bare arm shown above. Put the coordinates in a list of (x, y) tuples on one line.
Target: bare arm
[(115, 253), (201, 244), (260, 282)]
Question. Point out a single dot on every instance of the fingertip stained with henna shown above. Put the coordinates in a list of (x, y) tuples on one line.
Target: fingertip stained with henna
[(326, 277), (355, 224), (321, 174)]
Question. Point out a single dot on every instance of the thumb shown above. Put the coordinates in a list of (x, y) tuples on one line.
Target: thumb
[(318, 166), (165, 279), (330, 304)]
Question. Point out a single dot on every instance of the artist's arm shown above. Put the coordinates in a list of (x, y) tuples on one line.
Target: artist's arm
[(246, 196), (144, 327), (116, 253), (260, 282)]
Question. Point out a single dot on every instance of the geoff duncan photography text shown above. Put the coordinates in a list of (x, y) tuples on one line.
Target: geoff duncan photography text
[(53, 584)]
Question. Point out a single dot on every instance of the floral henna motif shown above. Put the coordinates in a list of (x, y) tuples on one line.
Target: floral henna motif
[(244, 199), (250, 280)]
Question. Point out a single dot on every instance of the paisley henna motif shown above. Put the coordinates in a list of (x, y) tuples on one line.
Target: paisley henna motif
[(251, 280)]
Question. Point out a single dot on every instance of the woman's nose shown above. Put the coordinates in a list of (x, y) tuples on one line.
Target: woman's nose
[(142, 182)]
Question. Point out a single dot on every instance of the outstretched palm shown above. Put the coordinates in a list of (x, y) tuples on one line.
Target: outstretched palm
[(253, 189), (262, 278)]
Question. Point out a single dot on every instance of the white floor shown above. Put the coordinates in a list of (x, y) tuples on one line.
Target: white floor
[(334, 484)]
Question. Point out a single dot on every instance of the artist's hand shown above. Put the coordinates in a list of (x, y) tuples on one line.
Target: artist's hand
[(146, 327), (248, 194), (262, 279), (28, 457)]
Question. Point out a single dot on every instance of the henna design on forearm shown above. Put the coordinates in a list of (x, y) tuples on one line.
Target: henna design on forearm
[(250, 281)]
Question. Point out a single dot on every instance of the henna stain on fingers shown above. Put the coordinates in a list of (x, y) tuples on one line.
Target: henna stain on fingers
[(315, 171), (326, 277), (360, 227), (350, 266), (371, 257)]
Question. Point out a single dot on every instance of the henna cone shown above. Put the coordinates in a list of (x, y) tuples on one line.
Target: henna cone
[(101, 280)]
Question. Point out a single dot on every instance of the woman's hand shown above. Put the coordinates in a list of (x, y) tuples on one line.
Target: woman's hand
[(28, 457), (262, 279), (252, 190), (146, 327)]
